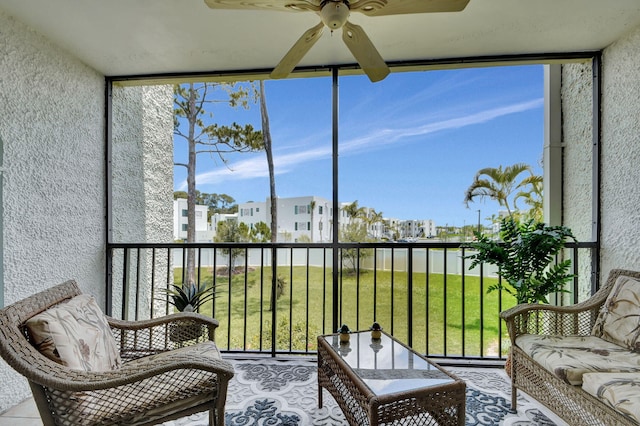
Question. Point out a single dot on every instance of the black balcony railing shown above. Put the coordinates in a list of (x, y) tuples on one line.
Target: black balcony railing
[(276, 298)]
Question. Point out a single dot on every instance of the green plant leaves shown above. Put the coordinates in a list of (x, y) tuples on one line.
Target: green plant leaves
[(190, 297), (525, 258)]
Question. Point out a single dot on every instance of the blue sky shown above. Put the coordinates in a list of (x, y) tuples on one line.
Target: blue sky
[(409, 145)]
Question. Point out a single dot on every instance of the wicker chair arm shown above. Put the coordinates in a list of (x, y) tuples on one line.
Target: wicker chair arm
[(205, 358), (540, 318), (142, 338), (573, 320), (212, 323), (527, 308)]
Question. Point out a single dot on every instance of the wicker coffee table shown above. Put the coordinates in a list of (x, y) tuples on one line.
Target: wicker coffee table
[(384, 382)]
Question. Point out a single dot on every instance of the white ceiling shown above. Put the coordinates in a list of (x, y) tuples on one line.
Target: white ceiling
[(139, 37)]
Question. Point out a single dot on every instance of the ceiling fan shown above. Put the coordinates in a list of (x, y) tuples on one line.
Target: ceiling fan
[(334, 14)]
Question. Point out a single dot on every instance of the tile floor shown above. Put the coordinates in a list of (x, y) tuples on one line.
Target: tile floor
[(25, 414)]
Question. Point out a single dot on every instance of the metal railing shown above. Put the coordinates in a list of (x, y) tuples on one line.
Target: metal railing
[(276, 298)]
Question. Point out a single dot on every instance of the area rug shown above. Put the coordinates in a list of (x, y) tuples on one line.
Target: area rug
[(268, 392)]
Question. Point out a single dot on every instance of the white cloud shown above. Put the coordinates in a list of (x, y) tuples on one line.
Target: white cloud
[(381, 137), (256, 166)]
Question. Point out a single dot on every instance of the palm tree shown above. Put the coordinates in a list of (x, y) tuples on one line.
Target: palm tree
[(496, 183), (532, 196), (353, 211), (375, 218), (355, 230)]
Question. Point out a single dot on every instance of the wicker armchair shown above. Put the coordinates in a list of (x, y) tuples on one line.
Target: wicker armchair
[(162, 376), (568, 401)]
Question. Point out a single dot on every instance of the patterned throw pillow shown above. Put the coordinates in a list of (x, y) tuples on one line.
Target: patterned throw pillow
[(75, 334), (619, 318)]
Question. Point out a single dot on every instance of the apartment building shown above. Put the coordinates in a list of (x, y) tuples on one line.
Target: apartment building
[(300, 219), (417, 228), (180, 222)]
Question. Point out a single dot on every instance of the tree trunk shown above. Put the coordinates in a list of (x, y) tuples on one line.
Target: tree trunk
[(191, 188), (266, 135), (313, 208)]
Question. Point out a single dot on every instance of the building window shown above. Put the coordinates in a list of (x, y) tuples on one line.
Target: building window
[(301, 209), (257, 209), (184, 227), (320, 209), (308, 226), (320, 226), (185, 213)]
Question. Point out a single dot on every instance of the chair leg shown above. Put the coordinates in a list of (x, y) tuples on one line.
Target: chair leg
[(218, 417), (512, 376), (212, 417), (42, 403)]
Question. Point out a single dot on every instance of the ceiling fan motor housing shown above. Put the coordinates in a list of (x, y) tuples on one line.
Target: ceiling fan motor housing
[(334, 13)]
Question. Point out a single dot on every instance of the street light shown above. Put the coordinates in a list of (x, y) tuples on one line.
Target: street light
[(478, 221)]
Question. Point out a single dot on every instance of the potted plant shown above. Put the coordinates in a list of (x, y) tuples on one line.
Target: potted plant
[(188, 298), (525, 256)]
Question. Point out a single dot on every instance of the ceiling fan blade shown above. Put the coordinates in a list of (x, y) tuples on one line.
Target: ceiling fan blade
[(297, 52), (399, 7), (277, 5), (364, 51)]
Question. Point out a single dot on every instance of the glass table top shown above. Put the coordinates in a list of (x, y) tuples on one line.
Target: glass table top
[(385, 365)]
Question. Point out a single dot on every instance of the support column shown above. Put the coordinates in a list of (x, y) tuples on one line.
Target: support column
[(552, 153)]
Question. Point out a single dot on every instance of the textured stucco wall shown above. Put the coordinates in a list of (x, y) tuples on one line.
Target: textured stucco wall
[(142, 153), (577, 137), (578, 142), (52, 128), (142, 180), (621, 154)]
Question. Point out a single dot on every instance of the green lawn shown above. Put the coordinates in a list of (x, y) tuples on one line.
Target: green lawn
[(306, 303)]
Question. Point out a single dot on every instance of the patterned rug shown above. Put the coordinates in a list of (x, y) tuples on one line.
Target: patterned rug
[(268, 392)]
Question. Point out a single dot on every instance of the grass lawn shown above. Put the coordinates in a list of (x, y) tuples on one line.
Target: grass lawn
[(304, 309)]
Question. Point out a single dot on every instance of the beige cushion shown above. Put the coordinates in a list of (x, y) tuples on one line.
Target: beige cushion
[(619, 318), (569, 357), (75, 334), (618, 390)]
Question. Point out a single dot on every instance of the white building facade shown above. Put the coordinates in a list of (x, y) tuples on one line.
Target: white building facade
[(181, 222), (300, 219), (417, 228)]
